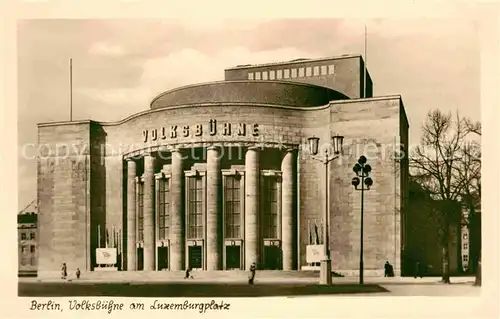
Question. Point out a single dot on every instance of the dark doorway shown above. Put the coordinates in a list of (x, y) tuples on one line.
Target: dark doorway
[(140, 258), (162, 258), (195, 257), (272, 257), (233, 257)]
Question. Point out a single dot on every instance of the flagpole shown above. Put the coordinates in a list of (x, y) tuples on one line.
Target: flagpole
[(365, 66), (70, 89)]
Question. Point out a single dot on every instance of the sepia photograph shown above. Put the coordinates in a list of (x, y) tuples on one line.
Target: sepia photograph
[(248, 158)]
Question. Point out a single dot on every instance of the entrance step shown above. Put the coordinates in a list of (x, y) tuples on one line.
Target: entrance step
[(178, 275)]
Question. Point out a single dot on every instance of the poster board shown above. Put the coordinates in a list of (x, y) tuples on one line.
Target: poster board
[(105, 256), (314, 253)]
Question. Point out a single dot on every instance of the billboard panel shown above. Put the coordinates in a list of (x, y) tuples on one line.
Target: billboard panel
[(105, 256)]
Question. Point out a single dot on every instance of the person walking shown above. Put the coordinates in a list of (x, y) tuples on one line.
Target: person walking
[(253, 269), (188, 273), (418, 270), (387, 268), (64, 271), (78, 273)]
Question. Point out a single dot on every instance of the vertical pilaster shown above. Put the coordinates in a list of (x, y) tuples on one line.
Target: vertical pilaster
[(287, 220), (252, 172), (177, 234), (131, 216), (149, 231), (213, 209)]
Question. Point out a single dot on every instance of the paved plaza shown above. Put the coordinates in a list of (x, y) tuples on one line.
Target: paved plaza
[(268, 286)]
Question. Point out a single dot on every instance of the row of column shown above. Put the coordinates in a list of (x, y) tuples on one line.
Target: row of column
[(213, 205)]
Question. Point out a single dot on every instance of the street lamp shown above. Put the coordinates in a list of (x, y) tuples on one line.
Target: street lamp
[(362, 171), (325, 277)]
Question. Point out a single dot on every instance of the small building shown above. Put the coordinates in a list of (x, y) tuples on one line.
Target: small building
[(422, 239), (27, 243)]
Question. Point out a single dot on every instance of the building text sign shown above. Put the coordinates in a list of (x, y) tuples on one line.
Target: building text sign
[(212, 128)]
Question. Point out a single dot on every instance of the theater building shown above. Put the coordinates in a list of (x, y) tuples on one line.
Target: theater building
[(218, 175)]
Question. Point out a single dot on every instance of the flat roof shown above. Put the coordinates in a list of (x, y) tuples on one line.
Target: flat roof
[(294, 61)]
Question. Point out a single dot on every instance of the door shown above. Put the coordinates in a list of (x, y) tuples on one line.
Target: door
[(195, 257), (233, 257), (140, 258), (162, 258), (272, 257)]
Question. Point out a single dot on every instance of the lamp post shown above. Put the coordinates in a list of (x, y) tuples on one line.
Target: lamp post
[(362, 171), (325, 277)]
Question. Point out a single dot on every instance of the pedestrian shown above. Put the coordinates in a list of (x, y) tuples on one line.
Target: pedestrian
[(188, 273), (64, 271), (391, 270), (253, 269), (418, 270), (78, 273), (387, 267)]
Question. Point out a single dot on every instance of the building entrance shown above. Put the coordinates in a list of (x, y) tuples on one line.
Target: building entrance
[(162, 258), (272, 257), (233, 257), (195, 254), (140, 258)]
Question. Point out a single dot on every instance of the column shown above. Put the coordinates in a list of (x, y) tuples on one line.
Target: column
[(213, 209), (131, 216), (287, 208), (177, 241), (149, 230), (252, 172)]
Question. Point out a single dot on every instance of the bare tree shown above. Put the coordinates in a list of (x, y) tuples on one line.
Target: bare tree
[(435, 165)]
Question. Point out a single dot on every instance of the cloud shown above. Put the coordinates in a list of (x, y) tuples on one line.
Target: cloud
[(182, 67), (189, 66), (106, 49)]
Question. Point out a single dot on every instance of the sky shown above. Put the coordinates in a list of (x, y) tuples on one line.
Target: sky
[(119, 66)]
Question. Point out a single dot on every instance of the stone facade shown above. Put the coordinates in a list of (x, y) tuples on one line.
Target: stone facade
[(27, 243), (87, 169)]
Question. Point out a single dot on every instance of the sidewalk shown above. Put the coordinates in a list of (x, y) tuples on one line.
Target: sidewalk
[(243, 279)]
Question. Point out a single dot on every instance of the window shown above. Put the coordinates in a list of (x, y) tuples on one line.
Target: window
[(331, 69), (23, 236), (323, 70), (286, 74), (32, 249), (270, 211), (24, 249), (308, 71), (33, 261), (195, 207), (232, 207), (301, 72), (264, 75), (294, 73), (466, 246), (140, 211), (316, 70), (257, 75), (164, 208), (465, 258), (279, 74), (25, 261), (272, 75), (33, 235), (250, 76)]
